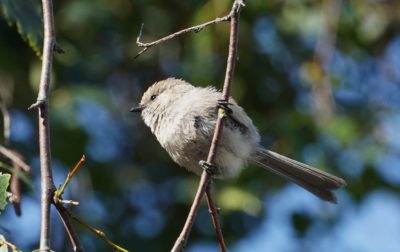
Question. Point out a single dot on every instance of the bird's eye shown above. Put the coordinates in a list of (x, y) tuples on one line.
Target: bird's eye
[(153, 97)]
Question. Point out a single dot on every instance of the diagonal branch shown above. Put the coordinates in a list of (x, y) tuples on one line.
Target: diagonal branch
[(73, 236), (15, 158), (214, 217), (97, 232), (205, 176)]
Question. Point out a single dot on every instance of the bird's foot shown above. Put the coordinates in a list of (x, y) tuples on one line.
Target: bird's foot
[(222, 104), (209, 168)]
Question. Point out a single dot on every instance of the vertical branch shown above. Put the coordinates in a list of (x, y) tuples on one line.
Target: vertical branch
[(205, 176), (42, 103), (233, 46), (47, 184)]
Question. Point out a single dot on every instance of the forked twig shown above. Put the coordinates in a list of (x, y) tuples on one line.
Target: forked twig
[(97, 232), (195, 29), (73, 236), (63, 212), (10, 245), (214, 216), (59, 192)]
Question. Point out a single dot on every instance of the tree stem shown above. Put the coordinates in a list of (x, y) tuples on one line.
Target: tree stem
[(47, 184)]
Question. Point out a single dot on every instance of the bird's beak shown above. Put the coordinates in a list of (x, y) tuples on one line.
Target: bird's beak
[(137, 108)]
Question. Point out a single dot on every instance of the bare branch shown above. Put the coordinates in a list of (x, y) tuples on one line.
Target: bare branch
[(68, 202), (73, 237), (15, 157), (182, 239), (195, 29), (47, 184), (214, 216), (97, 232), (59, 192), (205, 176), (63, 212)]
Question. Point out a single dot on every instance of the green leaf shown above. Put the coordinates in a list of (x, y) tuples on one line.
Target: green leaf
[(4, 181), (25, 14)]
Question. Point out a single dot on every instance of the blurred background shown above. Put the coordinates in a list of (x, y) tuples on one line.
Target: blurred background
[(320, 79)]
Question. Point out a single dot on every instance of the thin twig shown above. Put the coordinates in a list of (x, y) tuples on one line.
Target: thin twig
[(47, 184), (73, 236), (15, 157), (59, 192), (10, 245), (195, 29), (64, 214), (182, 238), (205, 176), (214, 216), (68, 202), (97, 232)]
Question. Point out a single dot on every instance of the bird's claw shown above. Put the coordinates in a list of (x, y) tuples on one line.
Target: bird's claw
[(209, 168), (222, 104)]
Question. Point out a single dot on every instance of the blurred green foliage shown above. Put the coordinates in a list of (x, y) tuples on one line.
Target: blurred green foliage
[(129, 187), (25, 15)]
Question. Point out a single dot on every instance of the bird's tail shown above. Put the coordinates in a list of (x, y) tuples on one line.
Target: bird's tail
[(316, 181)]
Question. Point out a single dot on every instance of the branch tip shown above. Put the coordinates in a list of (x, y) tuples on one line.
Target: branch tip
[(69, 202), (142, 51), (37, 104), (140, 35)]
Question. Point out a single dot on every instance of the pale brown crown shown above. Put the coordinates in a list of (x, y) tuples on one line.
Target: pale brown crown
[(159, 87)]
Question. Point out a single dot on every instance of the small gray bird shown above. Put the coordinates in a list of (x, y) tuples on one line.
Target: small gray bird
[(183, 118)]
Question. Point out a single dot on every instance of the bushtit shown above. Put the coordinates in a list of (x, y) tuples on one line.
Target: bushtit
[(183, 118)]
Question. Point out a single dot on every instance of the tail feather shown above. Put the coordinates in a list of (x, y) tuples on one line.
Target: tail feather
[(315, 181)]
